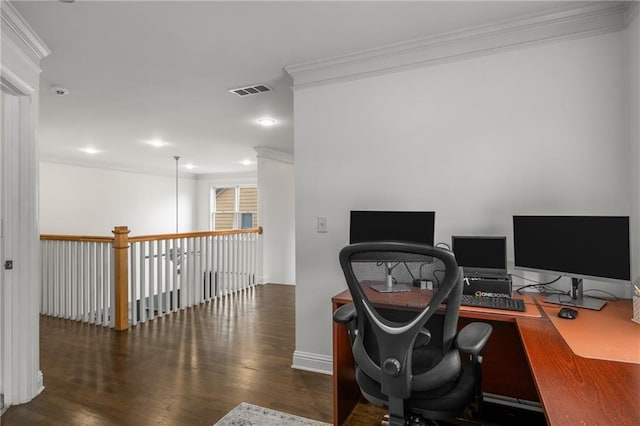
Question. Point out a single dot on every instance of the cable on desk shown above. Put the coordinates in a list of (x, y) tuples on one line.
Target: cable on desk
[(537, 282), (541, 287), (443, 245), (409, 271), (436, 277), (613, 297)]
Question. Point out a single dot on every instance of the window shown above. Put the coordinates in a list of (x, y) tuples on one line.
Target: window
[(235, 208), (246, 220)]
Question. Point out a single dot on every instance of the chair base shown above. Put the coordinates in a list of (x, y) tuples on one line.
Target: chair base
[(412, 421), (470, 417)]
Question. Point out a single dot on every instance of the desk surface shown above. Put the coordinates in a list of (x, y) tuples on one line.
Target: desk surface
[(417, 299), (572, 390), (618, 338)]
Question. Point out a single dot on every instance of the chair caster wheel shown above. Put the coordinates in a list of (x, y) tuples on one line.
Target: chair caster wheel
[(419, 421)]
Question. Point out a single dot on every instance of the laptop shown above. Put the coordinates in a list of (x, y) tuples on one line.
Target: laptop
[(481, 257)]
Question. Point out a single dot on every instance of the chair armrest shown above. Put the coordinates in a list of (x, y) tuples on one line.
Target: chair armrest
[(345, 314), (472, 338)]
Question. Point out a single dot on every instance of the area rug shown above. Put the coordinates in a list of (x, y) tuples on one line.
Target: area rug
[(252, 415)]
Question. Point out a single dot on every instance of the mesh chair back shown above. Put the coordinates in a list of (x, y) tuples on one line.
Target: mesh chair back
[(383, 276)]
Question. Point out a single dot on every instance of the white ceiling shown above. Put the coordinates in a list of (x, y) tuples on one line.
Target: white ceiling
[(162, 69)]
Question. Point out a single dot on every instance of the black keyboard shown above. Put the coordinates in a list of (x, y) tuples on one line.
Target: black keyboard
[(505, 303)]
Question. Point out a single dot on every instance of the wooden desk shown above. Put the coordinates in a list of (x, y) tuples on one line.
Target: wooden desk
[(525, 358), (577, 390)]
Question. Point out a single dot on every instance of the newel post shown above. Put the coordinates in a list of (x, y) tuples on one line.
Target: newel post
[(121, 272)]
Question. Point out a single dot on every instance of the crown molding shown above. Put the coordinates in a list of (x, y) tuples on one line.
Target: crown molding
[(595, 18), (149, 171), (12, 19), (229, 176), (13, 84), (44, 158), (632, 10), (274, 154)]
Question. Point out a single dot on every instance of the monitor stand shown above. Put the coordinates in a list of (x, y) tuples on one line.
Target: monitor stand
[(389, 286), (577, 299), (395, 288)]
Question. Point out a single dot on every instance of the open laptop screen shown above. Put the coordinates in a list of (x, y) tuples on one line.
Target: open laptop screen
[(479, 255)]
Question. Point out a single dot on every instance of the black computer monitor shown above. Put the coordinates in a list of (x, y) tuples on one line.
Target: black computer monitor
[(403, 226), (592, 247), (407, 226), (480, 255)]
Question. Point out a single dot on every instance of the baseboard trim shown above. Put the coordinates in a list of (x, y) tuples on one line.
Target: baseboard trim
[(512, 402), (315, 363), (39, 383)]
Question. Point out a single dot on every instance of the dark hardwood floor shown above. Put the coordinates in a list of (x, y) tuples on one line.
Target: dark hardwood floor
[(189, 368)]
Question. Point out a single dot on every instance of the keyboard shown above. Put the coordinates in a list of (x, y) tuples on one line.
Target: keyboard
[(505, 303)]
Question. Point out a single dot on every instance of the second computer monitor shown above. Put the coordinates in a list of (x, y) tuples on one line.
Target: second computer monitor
[(408, 226), (480, 255)]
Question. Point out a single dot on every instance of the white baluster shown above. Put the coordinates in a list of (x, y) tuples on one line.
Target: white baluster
[(151, 263), (133, 287)]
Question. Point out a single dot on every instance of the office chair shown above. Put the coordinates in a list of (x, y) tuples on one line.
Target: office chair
[(408, 359)]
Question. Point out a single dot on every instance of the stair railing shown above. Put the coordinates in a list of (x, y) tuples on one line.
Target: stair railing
[(121, 281)]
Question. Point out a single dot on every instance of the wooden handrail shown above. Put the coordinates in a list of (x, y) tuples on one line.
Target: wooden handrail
[(97, 239), (85, 238), (194, 234)]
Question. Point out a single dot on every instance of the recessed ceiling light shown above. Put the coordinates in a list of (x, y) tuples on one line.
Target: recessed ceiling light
[(90, 150), (266, 122), (247, 162), (190, 166), (157, 143)]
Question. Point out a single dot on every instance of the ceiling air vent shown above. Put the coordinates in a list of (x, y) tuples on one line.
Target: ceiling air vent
[(251, 90)]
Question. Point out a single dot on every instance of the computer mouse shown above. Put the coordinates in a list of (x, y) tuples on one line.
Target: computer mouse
[(567, 313)]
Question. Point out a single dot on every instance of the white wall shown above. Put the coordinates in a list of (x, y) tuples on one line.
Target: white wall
[(633, 51), (87, 201), (276, 213), (540, 130), (22, 49)]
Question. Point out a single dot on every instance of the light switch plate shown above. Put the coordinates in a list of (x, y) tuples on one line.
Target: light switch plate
[(322, 224)]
